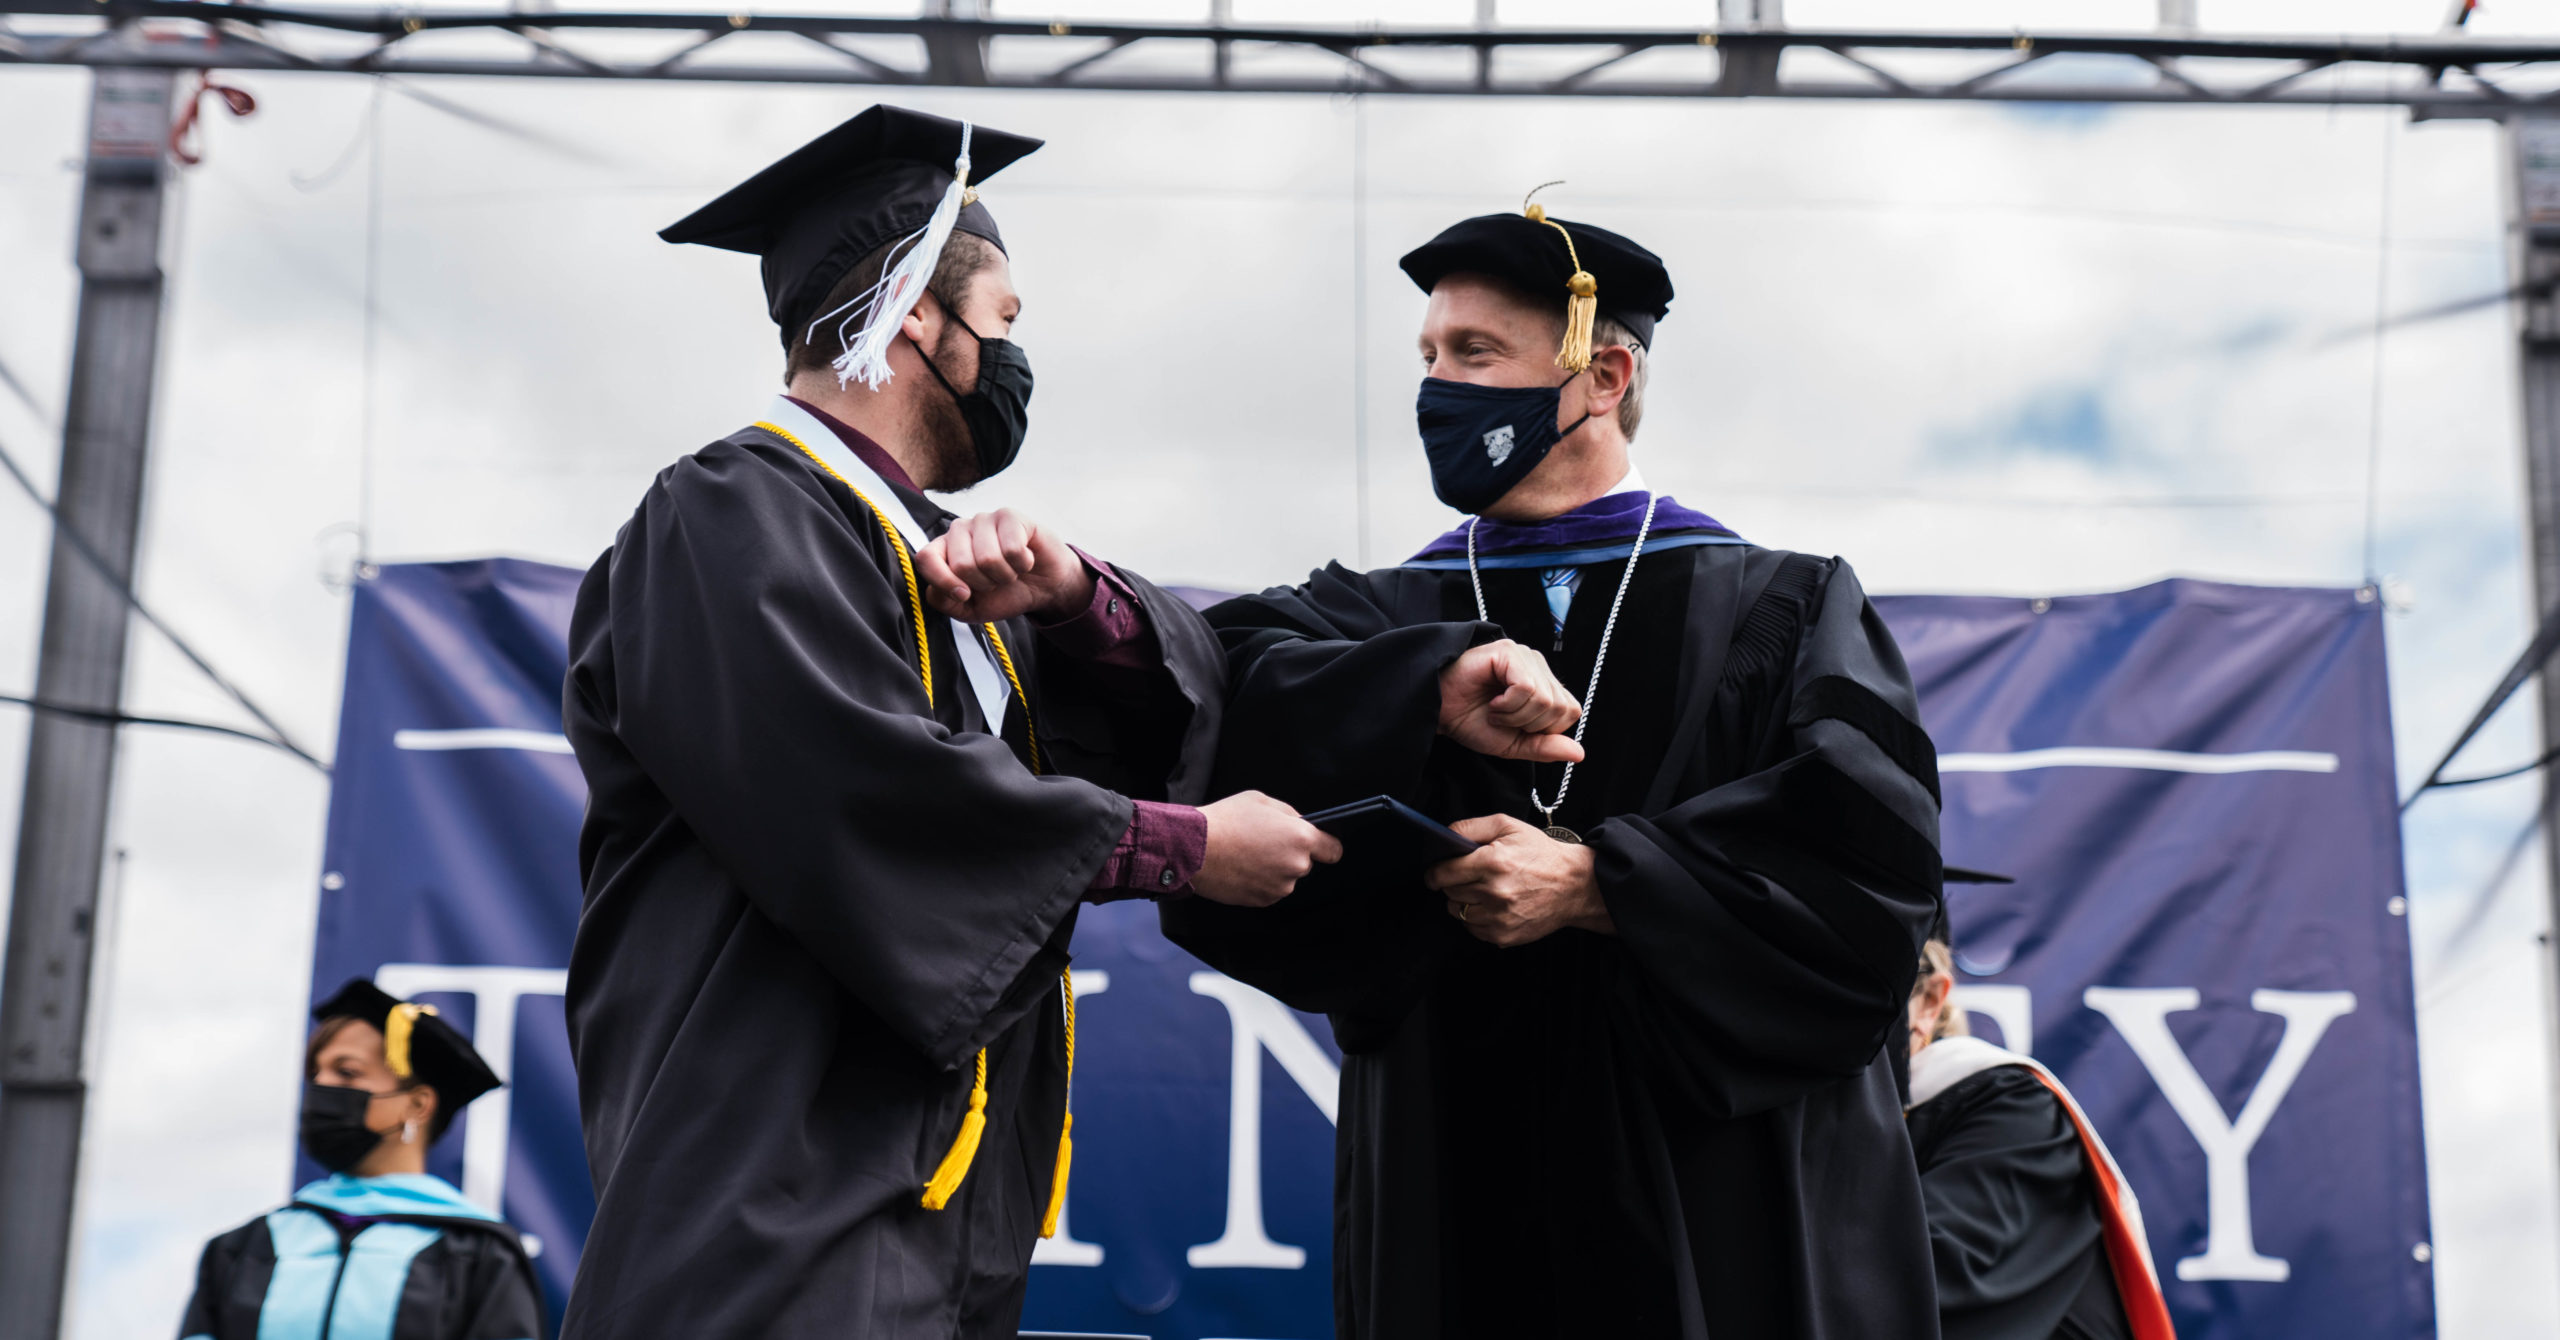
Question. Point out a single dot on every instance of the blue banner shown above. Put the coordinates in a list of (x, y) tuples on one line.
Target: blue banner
[(2192, 784), (2208, 938), (452, 868)]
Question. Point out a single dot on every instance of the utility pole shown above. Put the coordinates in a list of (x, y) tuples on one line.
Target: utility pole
[(62, 825), (2533, 223)]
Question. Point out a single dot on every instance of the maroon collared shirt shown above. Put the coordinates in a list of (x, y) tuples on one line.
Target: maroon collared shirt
[(1166, 844)]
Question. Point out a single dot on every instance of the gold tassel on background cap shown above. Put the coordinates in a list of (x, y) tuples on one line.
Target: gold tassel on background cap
[(964, 1150), (1582, 307), (396, 1030)]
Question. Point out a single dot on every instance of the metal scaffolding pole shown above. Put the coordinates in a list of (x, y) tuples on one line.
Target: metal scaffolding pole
[(62, 826)]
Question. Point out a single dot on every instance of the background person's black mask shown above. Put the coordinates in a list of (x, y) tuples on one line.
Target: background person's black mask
[(1483, 440), (998, 412), (333, 1130)]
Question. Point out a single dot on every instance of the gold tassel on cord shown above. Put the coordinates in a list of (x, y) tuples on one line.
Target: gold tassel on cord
[(1579, 312), (1058, 1184), (1583, 306), (964, 1150), (1066, 1132)]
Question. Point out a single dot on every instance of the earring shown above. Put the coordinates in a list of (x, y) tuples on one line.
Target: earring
[(409, 1131)]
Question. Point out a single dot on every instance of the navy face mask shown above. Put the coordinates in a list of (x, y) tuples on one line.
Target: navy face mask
[(1483, 440)]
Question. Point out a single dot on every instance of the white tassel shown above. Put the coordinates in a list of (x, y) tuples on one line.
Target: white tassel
[(882, 310)]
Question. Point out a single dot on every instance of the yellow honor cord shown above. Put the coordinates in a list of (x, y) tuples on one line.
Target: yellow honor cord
[(954, 1168), (397, 1028), (898, 542), (964, 1150), (1030, 736), (1066, 1129), (1582, 306)]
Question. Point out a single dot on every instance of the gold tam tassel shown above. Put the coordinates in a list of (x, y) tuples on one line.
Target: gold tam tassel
[(1579, 312), (964, 1150), (396, 1031), (1066, 1132), (1582, 307)]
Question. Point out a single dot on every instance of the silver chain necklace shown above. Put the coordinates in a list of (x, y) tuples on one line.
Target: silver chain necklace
[(1591, 695)]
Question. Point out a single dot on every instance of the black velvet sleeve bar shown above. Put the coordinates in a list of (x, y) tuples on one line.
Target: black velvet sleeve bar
[(1776, 918)]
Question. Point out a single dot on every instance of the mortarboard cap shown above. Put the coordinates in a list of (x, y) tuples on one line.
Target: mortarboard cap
[(416, 1044), (1939, 929), (881, 177), (1592, 269)]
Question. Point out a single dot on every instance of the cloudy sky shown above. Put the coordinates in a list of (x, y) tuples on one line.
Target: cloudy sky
[(1974, 349)]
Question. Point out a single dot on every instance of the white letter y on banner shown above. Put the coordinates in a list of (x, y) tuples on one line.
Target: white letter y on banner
[(2142, 1016)]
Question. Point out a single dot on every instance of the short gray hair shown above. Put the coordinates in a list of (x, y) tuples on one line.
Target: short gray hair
[(1605, 332)]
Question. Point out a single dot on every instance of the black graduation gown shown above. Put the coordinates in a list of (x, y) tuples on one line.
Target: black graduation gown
[(471, 1282), (811, 897), (2013, 1219), (1689, 1129)]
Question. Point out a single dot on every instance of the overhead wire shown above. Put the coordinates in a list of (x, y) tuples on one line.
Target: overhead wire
[(2381, 338), (176, 723), (2546, 640), (80, 545), (372, 328)]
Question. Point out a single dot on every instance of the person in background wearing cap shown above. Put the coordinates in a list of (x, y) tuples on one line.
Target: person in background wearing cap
[(836, 840), (1626, 1069), (2036, 1234), (379, 1247)]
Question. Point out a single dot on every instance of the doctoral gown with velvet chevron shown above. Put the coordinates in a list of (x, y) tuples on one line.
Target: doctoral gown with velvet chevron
[(1692, 1128), (813, 894)]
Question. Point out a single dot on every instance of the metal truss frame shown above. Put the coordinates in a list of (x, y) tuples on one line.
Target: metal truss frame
[(2436, 76)]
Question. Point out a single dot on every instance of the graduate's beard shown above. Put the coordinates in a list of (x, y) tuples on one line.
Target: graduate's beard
[(944, 431)]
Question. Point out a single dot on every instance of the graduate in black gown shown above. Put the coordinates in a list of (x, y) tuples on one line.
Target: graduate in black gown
[(1630, 1069), (853, 766), (2035, 1233)]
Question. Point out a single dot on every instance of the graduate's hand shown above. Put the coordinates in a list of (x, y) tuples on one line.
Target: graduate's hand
[(1501, 699), (1258, 850), (1000, 564), (1521, 886)]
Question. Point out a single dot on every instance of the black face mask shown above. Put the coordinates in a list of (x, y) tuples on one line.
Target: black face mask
[(998, 413), (1483, 440), (333, 1129)]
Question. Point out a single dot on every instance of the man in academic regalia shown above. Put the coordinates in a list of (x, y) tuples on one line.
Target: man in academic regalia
[(1630, 1068), (836, 841), (2036, 1233)]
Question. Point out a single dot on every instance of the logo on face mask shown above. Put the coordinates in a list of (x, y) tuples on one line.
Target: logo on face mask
[(1483, 440)]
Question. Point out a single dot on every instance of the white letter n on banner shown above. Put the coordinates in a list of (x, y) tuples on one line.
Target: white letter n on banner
[(1259, 1022), (2142, 1016)]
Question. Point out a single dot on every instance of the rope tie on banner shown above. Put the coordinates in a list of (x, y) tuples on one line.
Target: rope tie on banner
[(2546, 640)]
